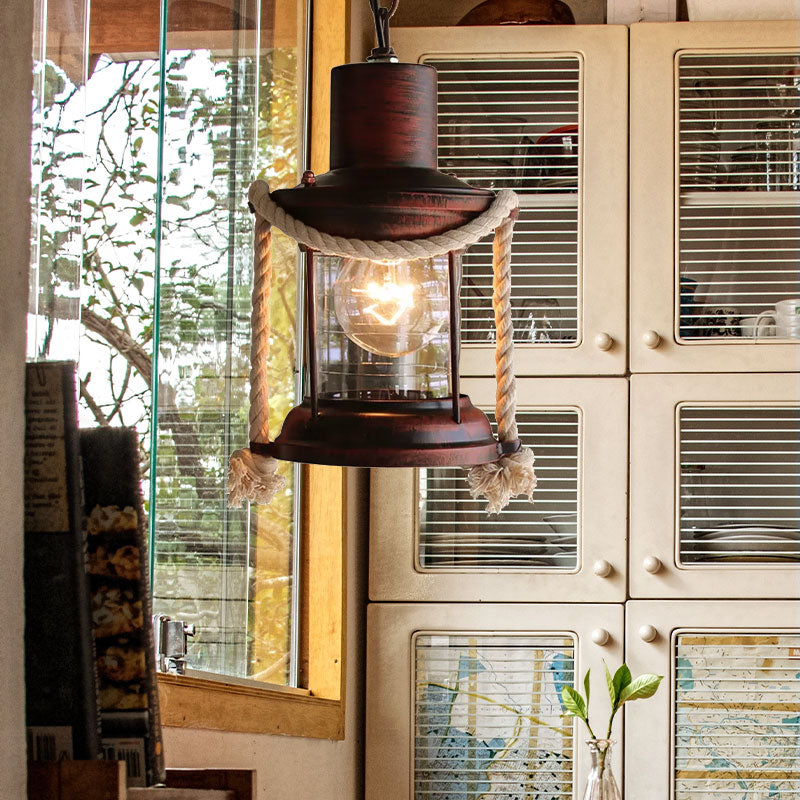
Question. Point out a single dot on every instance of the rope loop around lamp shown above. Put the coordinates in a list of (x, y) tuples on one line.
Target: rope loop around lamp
[(253, 477)]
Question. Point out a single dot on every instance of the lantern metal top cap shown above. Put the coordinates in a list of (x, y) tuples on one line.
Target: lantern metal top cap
[(383, 183)]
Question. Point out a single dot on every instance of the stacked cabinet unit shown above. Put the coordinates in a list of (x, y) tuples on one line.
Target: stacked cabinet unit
[(467, 654), (715, 410), (666, 430)]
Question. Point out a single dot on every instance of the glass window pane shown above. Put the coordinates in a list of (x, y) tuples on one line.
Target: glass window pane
[(514, 123), (738, 175), (123, 205), (58, 167), (456, 532), (737, 728), (232, 80), (739, 481), (488, 718)]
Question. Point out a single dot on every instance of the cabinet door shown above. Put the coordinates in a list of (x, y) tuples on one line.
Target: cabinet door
[(542, 111), (429, 540), (464, 700), (715, 197), (724, 722), (715, 471)]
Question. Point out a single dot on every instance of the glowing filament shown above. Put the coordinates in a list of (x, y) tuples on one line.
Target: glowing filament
[(399, 297)]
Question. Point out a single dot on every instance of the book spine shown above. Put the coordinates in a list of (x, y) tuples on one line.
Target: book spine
[(60, 677), (121, 607)]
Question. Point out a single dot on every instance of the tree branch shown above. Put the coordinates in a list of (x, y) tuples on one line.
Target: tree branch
[(91, 402), (121, 341)]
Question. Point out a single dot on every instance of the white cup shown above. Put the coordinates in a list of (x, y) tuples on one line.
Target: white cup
[(787, 328), (790, 309), (769, 323), (757, 327)]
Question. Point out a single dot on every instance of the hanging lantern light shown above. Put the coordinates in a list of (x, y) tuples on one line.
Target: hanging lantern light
[(383, 232)]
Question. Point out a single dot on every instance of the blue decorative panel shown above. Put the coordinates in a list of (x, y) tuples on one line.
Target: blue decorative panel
[(737, 726), (488, 719)]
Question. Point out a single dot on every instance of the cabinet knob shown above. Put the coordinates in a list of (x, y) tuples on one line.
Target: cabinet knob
[(651, 339), (603, 341), (647, 633), (602, 568), (600, 636), (652, 564)]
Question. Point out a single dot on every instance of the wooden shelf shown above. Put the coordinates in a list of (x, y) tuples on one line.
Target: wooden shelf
[(743, 199), (105, 780)]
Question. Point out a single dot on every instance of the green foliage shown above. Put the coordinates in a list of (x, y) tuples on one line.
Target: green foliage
[(98, 235), (622, 688), (574, 704), (642, 687)]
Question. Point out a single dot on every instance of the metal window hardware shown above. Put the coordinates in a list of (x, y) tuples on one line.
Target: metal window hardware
[(171, 639)]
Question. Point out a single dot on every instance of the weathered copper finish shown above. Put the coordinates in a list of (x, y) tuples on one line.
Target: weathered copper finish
[(385, 433), (383, 182), (519, 12), (311, 330), (383, 116), (454, 275)]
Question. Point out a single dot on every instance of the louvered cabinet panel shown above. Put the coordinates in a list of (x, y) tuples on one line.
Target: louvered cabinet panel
[(464, 700), (430, 540), (725, 722), (717, 514), (542, 111), (715, 196)]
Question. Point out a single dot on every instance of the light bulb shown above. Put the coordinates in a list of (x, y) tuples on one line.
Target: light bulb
[(392, 308)]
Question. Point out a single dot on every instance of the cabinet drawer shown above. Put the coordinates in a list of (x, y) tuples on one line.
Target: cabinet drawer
[(724, 723), (716, 512), (715, 197), (543, 112), (466, 698), (429, 540)]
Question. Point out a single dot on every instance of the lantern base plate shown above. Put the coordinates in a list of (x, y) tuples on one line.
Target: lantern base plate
[(385, 433)]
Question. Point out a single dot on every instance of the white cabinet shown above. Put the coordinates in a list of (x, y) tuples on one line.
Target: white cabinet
[(724, 722), (429, 540), (473, 616), (714, 477), (464, 699), (541, 110), (715, 196)]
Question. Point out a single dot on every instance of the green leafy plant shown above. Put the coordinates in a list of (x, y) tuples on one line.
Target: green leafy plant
[(622, 688)]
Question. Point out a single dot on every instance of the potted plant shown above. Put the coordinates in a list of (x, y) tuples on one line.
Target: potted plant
[(622, 688)]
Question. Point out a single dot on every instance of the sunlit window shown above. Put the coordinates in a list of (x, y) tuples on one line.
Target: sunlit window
[(143, 148)]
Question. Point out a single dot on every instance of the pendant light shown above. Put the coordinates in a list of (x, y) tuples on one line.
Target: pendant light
[(383, 232)]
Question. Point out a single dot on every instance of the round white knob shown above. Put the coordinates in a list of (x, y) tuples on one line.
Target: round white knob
[(600, 636), (602, 568), (647, 633), (651, 339), (652, 564), (603, 341)]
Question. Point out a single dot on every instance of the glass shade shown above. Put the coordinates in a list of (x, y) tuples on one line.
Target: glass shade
[(382, 329), (391, 308)]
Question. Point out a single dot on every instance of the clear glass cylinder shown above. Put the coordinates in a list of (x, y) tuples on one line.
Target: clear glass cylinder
[(601, 784), (382, 328)]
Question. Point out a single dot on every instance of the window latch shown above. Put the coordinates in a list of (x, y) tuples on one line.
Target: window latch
[(171, 639)]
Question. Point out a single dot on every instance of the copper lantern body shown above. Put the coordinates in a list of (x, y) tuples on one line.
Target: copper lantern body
[(382, 338)]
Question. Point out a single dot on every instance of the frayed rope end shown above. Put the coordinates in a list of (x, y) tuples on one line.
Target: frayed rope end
[(511, 476), (252, 477)]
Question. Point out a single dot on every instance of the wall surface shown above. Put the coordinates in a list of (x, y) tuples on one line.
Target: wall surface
[(15, 102), (430, 12), (290, 767)]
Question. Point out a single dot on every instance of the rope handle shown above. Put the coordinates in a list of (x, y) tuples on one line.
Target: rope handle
[(252, 476), (505, 203)]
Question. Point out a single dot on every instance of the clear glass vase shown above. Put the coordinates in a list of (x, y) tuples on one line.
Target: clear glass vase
[(601, 784)]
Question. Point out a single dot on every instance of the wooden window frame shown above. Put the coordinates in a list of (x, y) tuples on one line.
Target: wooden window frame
[(317, 710)]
